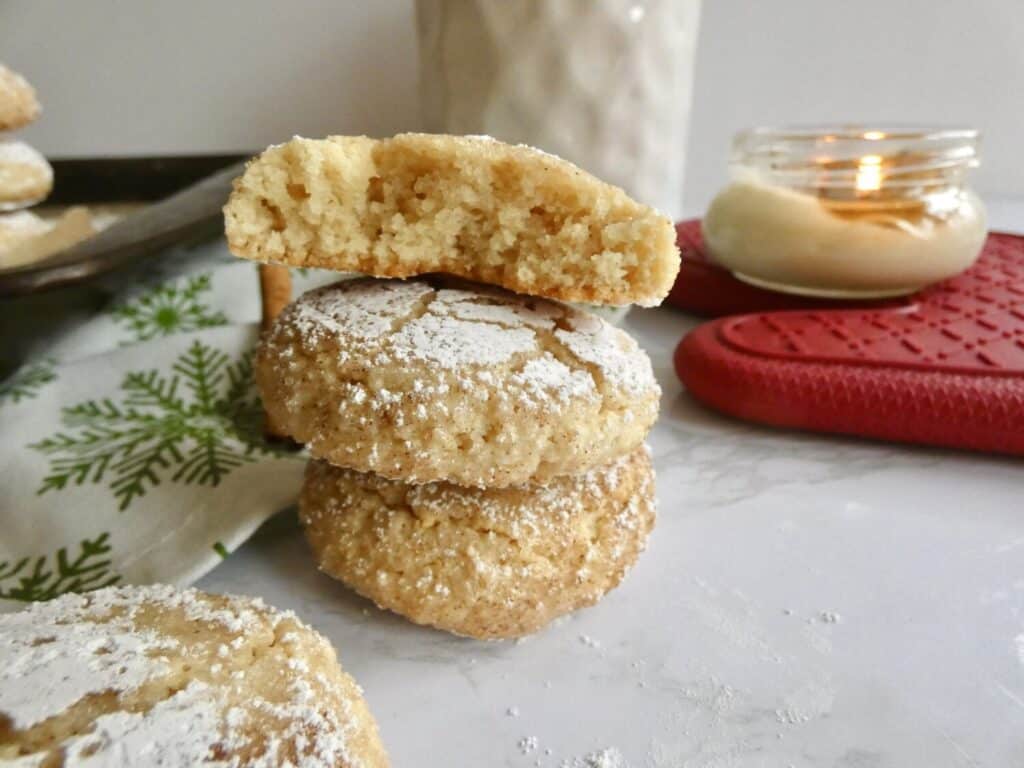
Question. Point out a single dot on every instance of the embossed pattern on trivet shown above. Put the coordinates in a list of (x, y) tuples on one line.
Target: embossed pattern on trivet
[(973, 322)]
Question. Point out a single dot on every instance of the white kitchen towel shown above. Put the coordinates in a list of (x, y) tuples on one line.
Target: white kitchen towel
[(130, 445)]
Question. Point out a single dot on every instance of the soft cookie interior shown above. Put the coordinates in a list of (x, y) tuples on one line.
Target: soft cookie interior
[(469, 206)]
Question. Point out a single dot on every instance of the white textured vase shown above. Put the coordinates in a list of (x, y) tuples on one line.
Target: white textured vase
[(603, 83)]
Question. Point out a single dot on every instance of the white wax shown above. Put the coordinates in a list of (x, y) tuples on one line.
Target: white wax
[(780, 236)]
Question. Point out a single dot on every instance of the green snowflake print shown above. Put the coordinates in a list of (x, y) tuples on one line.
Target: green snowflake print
[(25, 383), (44, 578), (169, 308), (194, 425)]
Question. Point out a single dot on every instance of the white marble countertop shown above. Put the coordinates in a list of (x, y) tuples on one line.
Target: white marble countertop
[(804, 600)]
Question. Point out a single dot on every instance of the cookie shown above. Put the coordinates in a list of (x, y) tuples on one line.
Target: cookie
[(141, 676), (429, 379), (464, 205), (25, 176), (489, 564), (18, 103), (18, 228), (18, 248)]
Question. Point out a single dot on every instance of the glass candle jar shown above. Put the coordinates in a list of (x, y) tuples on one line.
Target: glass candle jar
[(846, 211)]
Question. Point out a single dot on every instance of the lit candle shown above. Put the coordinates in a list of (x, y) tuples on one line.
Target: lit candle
[(847, 213), (869, 173)]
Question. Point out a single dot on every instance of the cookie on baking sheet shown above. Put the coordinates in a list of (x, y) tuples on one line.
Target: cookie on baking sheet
[(23, 241), (17, 228), (25, 176), (465, 205), (18, 103), (432, 379), (493, 563), (146, 676)]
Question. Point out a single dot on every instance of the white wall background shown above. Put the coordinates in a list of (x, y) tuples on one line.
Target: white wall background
[(119, 77)]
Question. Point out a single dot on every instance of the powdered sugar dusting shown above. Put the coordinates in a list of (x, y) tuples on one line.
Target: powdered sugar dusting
[(457, 328), (53, 654), (170, 734), (454, 343), (23, 222), (20, 153), (550, 505), (469, 305), (367, 311), (50, 657), (616, 355), (547, 375), (609, 757)]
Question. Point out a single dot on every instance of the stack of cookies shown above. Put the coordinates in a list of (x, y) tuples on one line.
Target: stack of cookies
[(479, 462), (25, 176), (26, 179)]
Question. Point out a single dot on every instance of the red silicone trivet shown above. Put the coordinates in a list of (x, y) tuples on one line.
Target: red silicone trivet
[(945, 367)]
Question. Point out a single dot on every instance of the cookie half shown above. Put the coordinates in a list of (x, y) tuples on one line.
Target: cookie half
[(465, 205), (26, 178), (18, 103), (421, 381), (157, 676), (488, 564)]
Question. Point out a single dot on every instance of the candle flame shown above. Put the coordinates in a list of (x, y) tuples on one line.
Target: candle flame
[(869, 173), (874, 135)]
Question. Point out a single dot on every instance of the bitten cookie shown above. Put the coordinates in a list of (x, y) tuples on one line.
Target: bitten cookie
[(484, 563), (25, 176), (465, 205), (418, 381), (147, 676), (18, 103)]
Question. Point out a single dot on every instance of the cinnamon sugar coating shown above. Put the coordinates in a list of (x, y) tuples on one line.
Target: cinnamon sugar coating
[(486, 563)]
